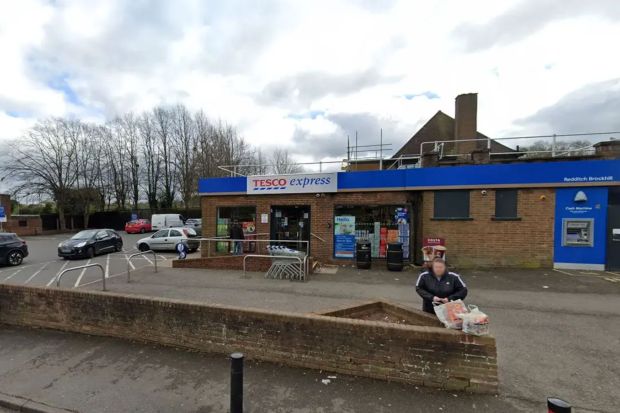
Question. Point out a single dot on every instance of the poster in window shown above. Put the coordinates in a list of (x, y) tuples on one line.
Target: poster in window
[(344, 236)]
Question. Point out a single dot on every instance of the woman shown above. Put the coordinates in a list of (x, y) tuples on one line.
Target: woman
[(438, 285)]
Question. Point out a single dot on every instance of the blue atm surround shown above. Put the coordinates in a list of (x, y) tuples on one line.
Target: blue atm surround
[(595, 207)]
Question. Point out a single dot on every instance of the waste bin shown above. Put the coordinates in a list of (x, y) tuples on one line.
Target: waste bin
[(362, 254), (395, 256)]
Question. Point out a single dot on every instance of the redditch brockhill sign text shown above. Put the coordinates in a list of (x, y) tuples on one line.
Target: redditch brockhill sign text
[(292, 184)]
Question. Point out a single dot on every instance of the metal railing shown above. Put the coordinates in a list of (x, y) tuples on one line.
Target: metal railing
[(439, 146), (137, 255), (59, 276), (245, 241)]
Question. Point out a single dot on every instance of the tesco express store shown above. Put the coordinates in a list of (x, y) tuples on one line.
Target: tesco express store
[(564, 214)]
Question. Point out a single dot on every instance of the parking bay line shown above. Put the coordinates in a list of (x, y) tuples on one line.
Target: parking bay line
[(13, 275), (77, 282), (56, 276), (112, 276), (37, 272)]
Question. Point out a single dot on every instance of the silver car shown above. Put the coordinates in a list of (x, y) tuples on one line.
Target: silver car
[(195, 224), (168, 239)]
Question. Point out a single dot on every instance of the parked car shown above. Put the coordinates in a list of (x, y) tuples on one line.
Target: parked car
[(168, 239), (13, 249), (195, 224), (161, 221), (138, 226), (90, 242)]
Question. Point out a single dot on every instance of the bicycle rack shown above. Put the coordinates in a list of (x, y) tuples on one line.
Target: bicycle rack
[(136, 255), (59, 276)]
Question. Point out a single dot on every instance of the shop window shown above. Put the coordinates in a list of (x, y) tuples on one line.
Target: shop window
[(380, 225), (506, 204), (452, 204), (244, 216)]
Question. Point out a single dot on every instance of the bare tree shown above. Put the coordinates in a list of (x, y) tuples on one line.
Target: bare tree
[(183, 149), (151, 157), (163, 127), (43, 163), (282, 163)]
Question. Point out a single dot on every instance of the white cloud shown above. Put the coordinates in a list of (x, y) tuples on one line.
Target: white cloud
[(305, 74)]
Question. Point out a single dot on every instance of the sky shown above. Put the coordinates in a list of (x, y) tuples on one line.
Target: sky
[(302, 75)]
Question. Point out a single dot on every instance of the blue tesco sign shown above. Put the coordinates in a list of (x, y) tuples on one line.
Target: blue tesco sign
[(2, 214)]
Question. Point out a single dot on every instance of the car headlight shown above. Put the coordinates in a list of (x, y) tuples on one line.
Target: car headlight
[(80, 245), (60, 245)]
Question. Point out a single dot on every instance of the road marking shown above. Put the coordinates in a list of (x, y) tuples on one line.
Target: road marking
[(107, 266), (58, 273), (111, 276), (77, 282), (613, 273), (36, 273), (566, 273), (148, 259), (133, 267), (13, 275)]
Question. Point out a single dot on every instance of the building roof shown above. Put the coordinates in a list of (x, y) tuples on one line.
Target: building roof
[(440, 128)]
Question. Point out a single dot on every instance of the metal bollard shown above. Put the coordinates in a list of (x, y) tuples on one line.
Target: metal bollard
[(236, 383), (556, 405)]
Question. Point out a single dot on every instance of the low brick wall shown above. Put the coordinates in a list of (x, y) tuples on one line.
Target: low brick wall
[(229, 262), (225, 262), (419, 355)]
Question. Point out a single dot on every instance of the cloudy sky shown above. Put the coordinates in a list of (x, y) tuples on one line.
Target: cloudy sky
[(304, 74)]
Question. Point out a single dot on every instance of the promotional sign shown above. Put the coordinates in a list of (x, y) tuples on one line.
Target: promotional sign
[(2, 214), (344, 236), (134, 216), (292, 184), (433, 248)]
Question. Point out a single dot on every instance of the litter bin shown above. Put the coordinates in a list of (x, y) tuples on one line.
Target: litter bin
[(395, 256), (362, 254)]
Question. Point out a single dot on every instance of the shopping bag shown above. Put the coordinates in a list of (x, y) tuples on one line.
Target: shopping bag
[(475, 322), (448, 313)]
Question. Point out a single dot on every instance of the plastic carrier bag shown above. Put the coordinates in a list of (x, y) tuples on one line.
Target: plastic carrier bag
[(475, 322), (449, 312)]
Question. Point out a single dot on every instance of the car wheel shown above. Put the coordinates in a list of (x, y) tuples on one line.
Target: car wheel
[(143, 247), (15, 258), (142, 230), (118, 247), (90, 252)]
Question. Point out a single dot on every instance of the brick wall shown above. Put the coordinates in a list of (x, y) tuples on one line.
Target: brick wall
[(321, 213), (34, 225), (419, 355), (485, 242)]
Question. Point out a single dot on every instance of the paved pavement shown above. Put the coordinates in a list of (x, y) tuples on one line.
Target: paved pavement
[(557, 334), (94, 374)]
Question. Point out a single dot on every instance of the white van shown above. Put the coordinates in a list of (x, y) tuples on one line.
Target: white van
[(160, 221)]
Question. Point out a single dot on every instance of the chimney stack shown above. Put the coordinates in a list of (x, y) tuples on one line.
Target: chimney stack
[(466, 123)]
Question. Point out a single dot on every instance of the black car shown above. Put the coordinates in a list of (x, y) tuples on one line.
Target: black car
[(90, 242), (13, 249)]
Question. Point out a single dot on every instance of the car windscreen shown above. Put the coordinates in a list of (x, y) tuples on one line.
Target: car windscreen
[(84, 234)]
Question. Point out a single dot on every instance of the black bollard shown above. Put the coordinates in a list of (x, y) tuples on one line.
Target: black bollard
[(236, 383), (558, 406)]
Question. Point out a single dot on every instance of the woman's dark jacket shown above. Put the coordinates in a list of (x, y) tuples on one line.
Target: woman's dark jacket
[(450, 286)]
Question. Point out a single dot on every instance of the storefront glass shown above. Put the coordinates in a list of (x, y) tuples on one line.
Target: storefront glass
[(245, 216), (380, 225)]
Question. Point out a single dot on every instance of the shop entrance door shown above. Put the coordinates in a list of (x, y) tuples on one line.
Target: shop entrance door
[(613, 230), (291, 223)]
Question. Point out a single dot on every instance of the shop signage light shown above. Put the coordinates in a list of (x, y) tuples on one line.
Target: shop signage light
[(292, 184)]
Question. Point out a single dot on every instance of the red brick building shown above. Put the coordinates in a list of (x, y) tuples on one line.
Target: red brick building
[(487, 203)]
